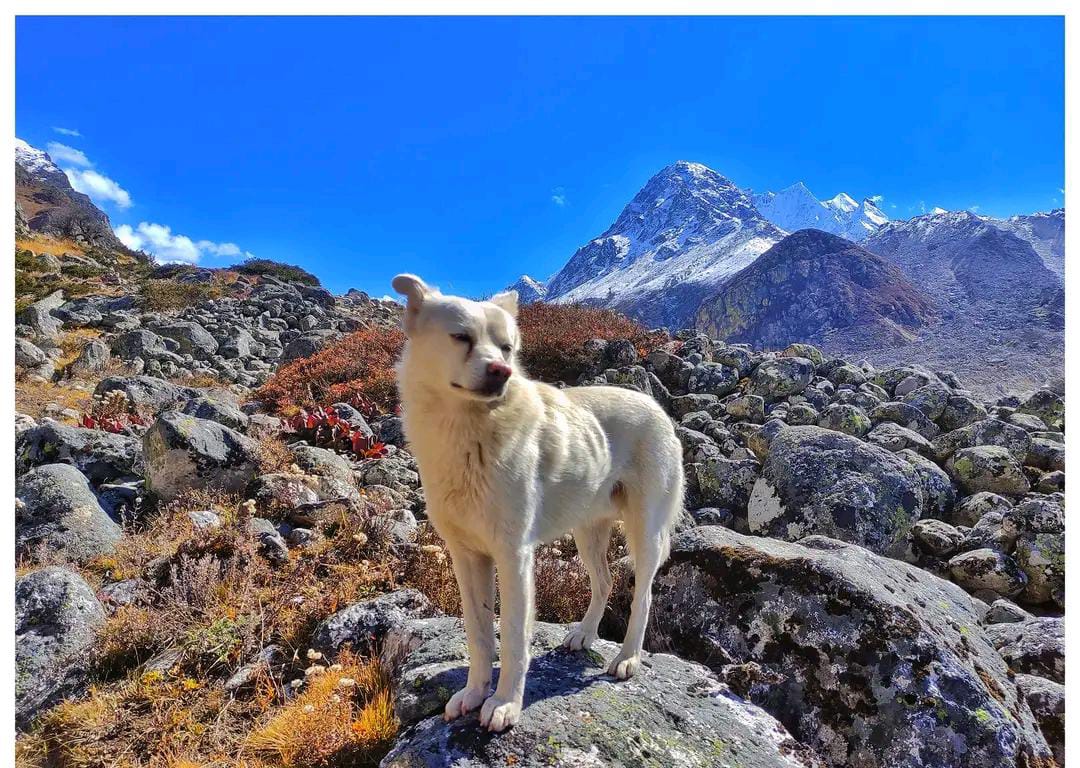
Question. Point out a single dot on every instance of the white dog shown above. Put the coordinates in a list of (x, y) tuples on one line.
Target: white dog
[(507, 463)]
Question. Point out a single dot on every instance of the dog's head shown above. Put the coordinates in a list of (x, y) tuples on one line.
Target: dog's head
[(466, 348)]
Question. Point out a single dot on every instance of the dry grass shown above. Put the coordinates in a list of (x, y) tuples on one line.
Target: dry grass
[(274, 455), (50, 245), (171, 296), (345, 716), (32, 396)]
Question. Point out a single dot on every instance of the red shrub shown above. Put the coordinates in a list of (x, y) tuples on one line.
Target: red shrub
[(553, 335), (361, 364)]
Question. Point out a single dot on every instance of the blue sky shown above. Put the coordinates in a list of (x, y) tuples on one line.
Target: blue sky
[(470, 150)]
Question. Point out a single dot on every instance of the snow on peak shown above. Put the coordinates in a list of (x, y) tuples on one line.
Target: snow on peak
[(796, 207), (529, 289), (38, 163)]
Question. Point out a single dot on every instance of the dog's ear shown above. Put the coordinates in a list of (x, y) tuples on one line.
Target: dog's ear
[(507, 300), (415, 291)]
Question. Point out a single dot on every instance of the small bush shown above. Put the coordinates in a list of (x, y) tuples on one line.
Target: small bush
[(362, 364), (553, 337), (290, 273), (169, 295)]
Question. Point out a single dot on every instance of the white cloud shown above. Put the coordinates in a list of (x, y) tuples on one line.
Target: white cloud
[(63, 154), (66, 131), (974, 208), (100, 188), (558, 196), (168, 247), (876, 199)]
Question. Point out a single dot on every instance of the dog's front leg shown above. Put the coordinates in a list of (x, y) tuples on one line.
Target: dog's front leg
[(515, 632), (476, 583)]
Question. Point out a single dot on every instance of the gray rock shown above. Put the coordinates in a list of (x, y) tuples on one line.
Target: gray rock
[(101, 456), (271, 543), (907, 416), (721, 482), (1041, 556), (931, 399), (56, 619), (868, 660), (191, 337), (848, 419), (960, 411), (802, 414), (777, 379), (972, 508), (59, 512), (940, 492), (298, 492), (320, 461), (988, 569), (1004, 611), (40, 318), (28, 355), (816, 481), (713, 379), (675, 713), (847, 374), (183, 452), (93, 357), (986, 432), (988, 468), (306, 345), (746, 408), (363, 625), (1047, 702), (391, 430), (1046, 454), (892, 437), (1048, 406), (213, 406), (936, 537), (147, 392), (1027, 422), (139, 343), (1032, 647)]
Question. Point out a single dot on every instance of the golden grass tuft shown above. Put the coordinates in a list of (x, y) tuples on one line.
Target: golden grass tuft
[(344, 716)]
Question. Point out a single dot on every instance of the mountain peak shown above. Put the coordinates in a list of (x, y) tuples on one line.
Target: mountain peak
[(529, 289), (795, 207)]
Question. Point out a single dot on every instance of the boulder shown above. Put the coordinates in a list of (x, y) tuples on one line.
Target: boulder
[(988, 468), (40, 318), (1048, 406), (183, 452), (320, 461), (1041, 556), (191, 337), (779, 378), (146, 392), (101, 456), (93, 357), (848, 419), (868, 660), (960, 410), (988, 569), (907, 416), (1046, 454), (817, 481), (56, 619), (364, 625), (675, 713), (215, 406), (713, 379), (940, 492), (972, 508), (1047, 701), (936, 537), (1032, 647), (992, 432), (723, 483), (892, 437), (57, 510)]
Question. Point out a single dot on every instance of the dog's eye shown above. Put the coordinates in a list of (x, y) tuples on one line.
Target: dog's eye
[(462, 337), (507, 349)]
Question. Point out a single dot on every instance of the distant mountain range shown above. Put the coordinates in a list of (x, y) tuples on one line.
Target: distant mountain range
[(692, 248)]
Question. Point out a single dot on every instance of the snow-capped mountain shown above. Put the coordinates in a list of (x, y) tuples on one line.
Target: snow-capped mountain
[(969, 264), (45, 202), (1045, 232), (39, 165), (681, 236), (529, 289), (796, 208)]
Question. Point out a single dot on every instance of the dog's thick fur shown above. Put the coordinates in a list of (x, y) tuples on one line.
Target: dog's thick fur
[(508, 466)]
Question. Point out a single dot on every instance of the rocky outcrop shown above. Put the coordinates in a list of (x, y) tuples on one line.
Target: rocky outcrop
[(676, 713), (56, 620), (867, 660), (56, 510), (183, 452)]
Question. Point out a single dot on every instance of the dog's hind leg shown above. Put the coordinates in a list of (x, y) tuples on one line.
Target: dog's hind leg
[(592, 544), (476, 582), (648, 535)]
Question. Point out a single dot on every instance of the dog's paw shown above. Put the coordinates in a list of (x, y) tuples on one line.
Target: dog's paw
[(578, 639), (463, 702), (499, 714), (624, 667)]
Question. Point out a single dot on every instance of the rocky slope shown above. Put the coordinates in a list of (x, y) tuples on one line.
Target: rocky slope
[(870, 571), (817, 287), (45, 203), (796, 208), (686, 231)]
